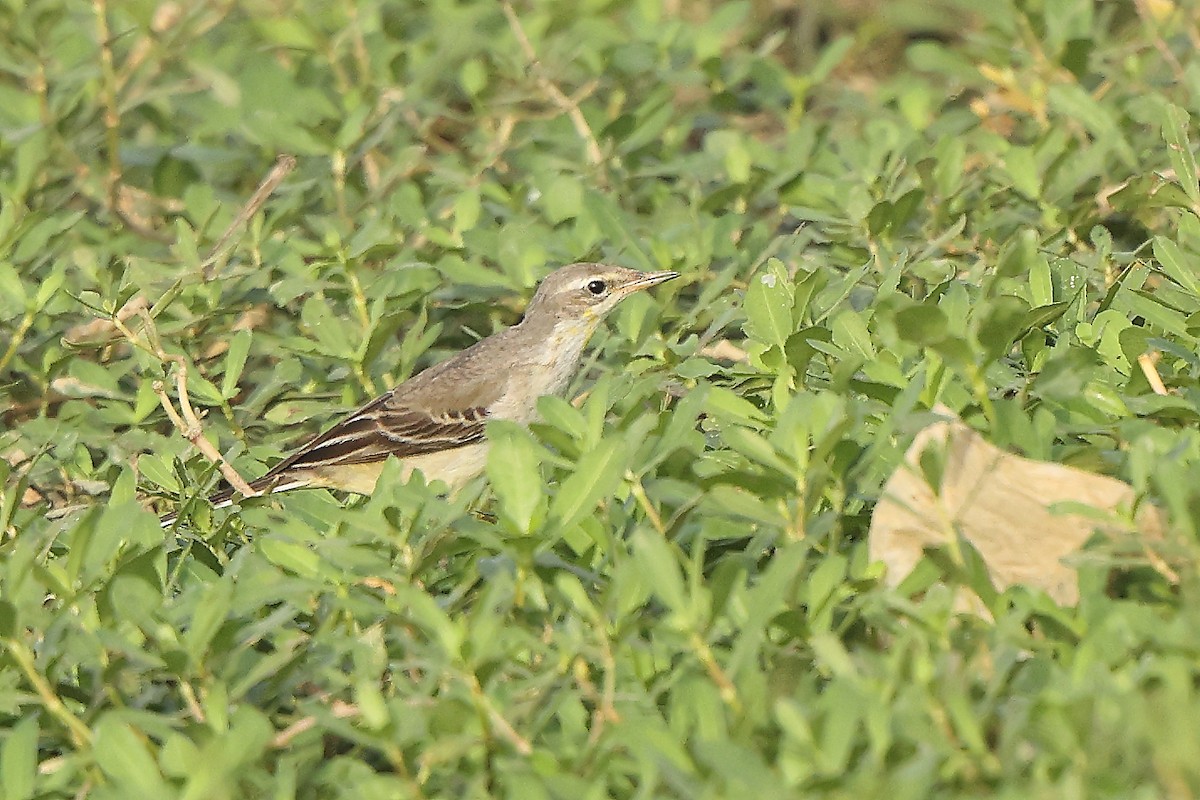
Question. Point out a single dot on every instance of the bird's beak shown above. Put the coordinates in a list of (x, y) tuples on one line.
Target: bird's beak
[(648, 279)]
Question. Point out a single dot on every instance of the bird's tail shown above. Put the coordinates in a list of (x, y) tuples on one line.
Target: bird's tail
[(271, 483)]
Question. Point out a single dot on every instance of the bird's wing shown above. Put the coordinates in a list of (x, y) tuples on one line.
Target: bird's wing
[(387, 427), (384, 427), (442, 408)]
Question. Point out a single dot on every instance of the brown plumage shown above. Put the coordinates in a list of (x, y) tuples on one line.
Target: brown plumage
[(435, 421)]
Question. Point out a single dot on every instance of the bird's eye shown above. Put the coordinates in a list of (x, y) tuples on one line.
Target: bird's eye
[(597, 287)]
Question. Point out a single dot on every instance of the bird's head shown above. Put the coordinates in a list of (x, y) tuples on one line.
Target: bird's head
[(585, 292)]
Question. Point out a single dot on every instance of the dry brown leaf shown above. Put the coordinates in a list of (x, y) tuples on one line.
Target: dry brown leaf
[(101, 329), (724, 350), (1008, 507), (250, 319)]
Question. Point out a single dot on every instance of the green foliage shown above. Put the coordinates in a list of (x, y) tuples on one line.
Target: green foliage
[(665, 590)]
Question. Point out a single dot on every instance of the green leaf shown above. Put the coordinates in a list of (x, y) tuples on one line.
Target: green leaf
[(124, 755), (922, 324), (173, 176), (423, 611), (157, 471), (850, 330), (769, 305), (1023, 170), (730, 147), (292, 556), (800, 350), (1074, 102), (604, 213), (18, 759), (1018, 255), (1168, 254), (596, 475), (1145, 305), (728, 406), (333, 337), (660, 570), (210, 613), (235, 362), (563, 198), (756, 448), (562, 415), (40, 230), (831, 55), (203, 391), (738, 503), (1041, 316), (1003, 322), (1150, 191), (467, 208), (1041, 282), (1175, 125), (473, 77), (49, 286), (12, 292), (514, 469), (369, 699), (768, 597)]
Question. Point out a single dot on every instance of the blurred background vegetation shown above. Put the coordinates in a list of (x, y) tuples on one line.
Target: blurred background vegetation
[(991, 205)]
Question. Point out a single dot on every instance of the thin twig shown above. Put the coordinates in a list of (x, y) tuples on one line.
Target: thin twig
[(185, 420), (725, 686), (102, 329), (113, 189), (18, 336), (1160, 565), (1150, 22), (189, 698), (283, 165), (499, 723), (340, 709), (81, 734), (569, 107), (606, 710), (1146, 362), (111, 116), (188, 424), (639, 493)]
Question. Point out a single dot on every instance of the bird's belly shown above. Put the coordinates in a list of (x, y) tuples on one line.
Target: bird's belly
[(453, 467)]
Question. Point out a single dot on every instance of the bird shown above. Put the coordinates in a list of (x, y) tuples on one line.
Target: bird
[(436, 420)]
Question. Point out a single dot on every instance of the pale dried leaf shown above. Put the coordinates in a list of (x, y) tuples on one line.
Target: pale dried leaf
[(1022, 516), (724, 350), (101, 329), (250, 319)]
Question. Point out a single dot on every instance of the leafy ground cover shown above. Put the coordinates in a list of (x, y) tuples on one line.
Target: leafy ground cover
[(663, 589)]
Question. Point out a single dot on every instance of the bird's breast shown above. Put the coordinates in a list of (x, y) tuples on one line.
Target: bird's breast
[(548, 370)]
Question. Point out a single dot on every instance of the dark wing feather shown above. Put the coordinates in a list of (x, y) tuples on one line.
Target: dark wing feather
[(411, 420), (374, 432), (383, 428)]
